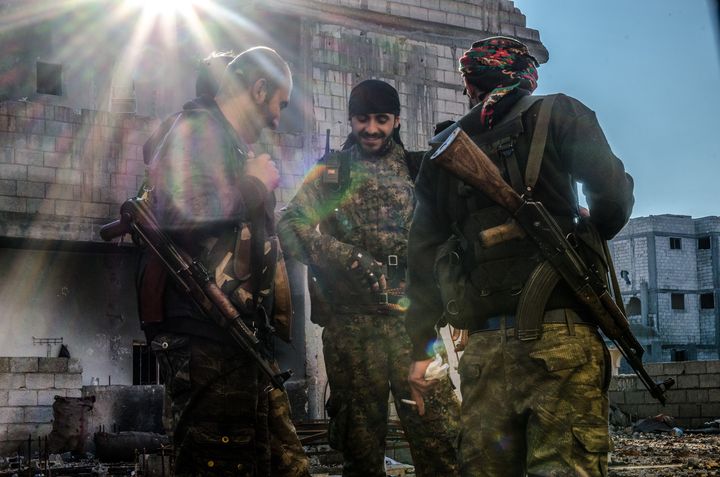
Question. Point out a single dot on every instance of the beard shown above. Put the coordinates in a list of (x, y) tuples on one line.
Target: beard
[(384, 146)]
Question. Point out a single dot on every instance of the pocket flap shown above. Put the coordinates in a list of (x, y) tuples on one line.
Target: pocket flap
[(593, 438), (564, 356), (164, 343)]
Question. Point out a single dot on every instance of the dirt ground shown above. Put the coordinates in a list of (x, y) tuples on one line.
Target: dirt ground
[(664, 455)]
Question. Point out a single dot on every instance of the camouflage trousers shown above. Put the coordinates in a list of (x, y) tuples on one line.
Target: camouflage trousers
[(224, 423), (536, 408), (366, 357)]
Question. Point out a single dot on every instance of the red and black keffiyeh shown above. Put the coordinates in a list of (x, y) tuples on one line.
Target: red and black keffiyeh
[(500, 66)]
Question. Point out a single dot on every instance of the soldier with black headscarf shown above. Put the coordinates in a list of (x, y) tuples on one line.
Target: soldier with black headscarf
[(363, 199)]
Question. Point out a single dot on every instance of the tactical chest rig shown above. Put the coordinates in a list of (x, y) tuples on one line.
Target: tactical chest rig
[(335, 180), (488, 268), (245, 263)]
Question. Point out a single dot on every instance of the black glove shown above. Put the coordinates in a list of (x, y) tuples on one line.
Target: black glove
[(365, 271)]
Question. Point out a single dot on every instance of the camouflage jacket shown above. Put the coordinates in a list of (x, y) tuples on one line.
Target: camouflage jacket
[(371, 210)]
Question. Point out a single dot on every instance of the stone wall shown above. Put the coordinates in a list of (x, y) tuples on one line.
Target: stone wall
[(28, 387), (694, 400)]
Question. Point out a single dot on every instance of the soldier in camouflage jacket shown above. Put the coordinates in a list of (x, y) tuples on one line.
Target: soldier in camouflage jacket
[(362, 199)]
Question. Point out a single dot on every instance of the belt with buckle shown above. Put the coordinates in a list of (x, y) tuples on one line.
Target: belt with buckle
[(560, 315)]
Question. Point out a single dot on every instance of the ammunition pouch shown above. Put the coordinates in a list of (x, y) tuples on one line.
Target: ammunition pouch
[(228, 259), (320, 309)]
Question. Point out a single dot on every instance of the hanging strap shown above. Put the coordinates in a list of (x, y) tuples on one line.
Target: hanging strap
[(537, 146)]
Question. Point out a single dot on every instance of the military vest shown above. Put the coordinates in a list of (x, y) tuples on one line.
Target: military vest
[(245, 263), (478, 281), (371, 205)]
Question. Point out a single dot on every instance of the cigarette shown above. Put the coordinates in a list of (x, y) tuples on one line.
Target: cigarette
[(409, 401)]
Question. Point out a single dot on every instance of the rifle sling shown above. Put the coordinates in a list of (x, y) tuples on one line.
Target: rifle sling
[(537, 145), (544, 278)]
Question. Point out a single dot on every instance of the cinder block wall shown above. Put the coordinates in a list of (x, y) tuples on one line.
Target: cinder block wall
[(64, 173), (694, 400), (28, 387)]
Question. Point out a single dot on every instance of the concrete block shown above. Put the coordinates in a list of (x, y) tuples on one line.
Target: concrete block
[(688, 410), (35, 110), (69, 176), (31, 189), (13, 204), (41, 174), (39, 381), (40, 206), (688, 381), (58, 128), (714, 394), (695, 367), (697, 396), (4, 365), (11, 415), (22, 397), (8, 187), (52, 365), (12, 380), (635, 397), (68, 381), (3, 398), (710, 381), (57, 159), (712, 366), (74, 366), (23, 365), (27, 157), (38, 414), (74, 393), (653, 369), (649, 410), (67, 207), (13, 171), (98, 211), (7, 154), (617, 397), (710, 410), (41, 143), (47, 397)]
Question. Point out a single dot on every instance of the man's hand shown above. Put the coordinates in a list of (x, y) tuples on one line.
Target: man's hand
[(366, 271), (418, 384), (264, 168)]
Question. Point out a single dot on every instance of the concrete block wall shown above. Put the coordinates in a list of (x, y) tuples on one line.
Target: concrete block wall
[(63, 172), (694, 400), (28, 387)]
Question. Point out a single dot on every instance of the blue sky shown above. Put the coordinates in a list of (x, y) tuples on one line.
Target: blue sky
[(651, 71)]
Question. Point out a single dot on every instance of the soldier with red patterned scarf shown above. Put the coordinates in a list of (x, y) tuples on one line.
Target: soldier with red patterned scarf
[(533, 404)]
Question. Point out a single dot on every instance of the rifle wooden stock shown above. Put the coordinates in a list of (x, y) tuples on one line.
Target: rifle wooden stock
[(463, 158), (190, 275)]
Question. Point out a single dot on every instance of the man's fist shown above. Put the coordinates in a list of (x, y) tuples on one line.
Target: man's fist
[(366, 271), (264, 168)]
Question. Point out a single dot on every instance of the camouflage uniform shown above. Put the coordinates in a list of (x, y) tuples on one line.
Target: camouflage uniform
[(539, 405), (223, 420), (366, 349)]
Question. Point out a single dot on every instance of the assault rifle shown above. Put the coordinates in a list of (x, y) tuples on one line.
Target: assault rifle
[(462, 157), (137, 218)]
